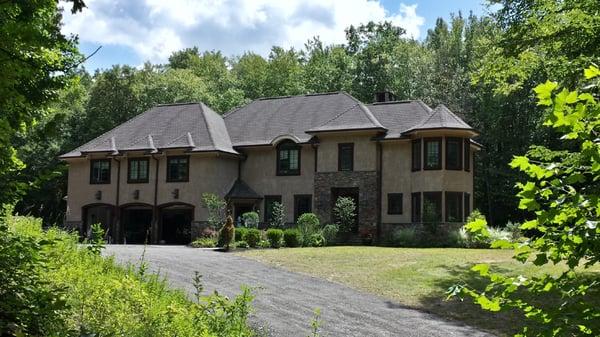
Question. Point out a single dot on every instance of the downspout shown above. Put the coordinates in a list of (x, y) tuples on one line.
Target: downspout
[(117, 201), (379, 188), (155, 203)]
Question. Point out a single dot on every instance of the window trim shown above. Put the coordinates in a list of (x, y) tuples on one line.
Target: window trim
[(460, 153), (439, 161), (467, 154), (390, 196), (340, 146), (416, 166), (296, 200), (416, 216), (460, 198), (436, 194), (138, 181), (275, 198), (92, 162), (187, 176), (289, 146)]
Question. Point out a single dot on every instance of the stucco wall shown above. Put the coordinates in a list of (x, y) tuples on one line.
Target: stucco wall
[(260, 173), (365, 151)]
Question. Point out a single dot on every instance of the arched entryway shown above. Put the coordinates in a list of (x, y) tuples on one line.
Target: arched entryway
[(175, 223), (98, 213), (136, 222)]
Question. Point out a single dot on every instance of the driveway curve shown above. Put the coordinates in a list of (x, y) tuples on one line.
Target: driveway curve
[(285, 301)]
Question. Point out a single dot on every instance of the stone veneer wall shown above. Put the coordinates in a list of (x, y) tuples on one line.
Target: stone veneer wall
[(366, 181)]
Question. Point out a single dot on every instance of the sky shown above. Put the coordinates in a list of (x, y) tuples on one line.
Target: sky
[(134, 31)]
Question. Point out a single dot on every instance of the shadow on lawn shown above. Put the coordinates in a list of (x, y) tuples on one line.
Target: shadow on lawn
[(503, 323)]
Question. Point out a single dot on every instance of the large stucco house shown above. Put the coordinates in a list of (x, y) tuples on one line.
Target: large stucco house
[(144, 179)]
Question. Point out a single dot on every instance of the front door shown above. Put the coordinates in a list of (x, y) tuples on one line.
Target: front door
[(347, 192)]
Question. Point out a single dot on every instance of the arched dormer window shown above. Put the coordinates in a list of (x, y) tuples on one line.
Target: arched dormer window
[(288, 159)]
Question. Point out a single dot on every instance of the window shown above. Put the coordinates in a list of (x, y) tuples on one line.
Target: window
[(467, 156), (100, 171), (467, 205), (454, 153), (302, 204), (454, 207), (416, 207), (137, 170), (288, 159), (433, 153), (416, 155), (394, 203), (178, 168), (346, 157), (269, 201), (432, 207)]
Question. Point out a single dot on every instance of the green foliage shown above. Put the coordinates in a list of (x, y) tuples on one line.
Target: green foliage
[(250, 219), (344, 212), (405, 237), (241, 244), (330, 232), (275, 237), (204, 243), (252, 237), (240, 233), (315, 240), (216, 208), (227, 233), (51, 286), (292, 237), (263, 244), (316, 323), (307, 224), (96, 243), (562, 194), (277, 215)]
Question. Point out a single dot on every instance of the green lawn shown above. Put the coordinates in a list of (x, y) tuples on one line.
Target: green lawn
[(412, 277)]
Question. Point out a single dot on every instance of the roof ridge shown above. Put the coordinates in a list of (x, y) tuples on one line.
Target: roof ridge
[(177, 103), (208, 129), (453, 115), (395, 102), (366, 110), (238, 108), (336, 116)]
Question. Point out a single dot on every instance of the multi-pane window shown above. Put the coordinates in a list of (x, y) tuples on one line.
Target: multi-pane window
[(138, 170), (346, 157), (432, 206), (394, 203), (467, 205), (467, 156), (178, 168), (100, 171), (433, 153), (416, 155), (454, 154), (416, 207), (454, 207), (302, 204), (270, 201), (288, 159)]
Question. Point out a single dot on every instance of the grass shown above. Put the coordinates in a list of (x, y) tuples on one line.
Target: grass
[(416, 278)]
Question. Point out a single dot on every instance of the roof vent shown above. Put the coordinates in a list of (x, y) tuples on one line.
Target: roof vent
[(384, 96)]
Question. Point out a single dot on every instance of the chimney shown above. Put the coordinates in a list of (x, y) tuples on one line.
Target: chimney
[(384, 96)]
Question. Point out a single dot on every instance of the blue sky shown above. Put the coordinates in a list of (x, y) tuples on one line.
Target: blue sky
[(131, 32)]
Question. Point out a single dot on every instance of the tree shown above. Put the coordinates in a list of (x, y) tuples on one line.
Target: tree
[(562, 194), (327, 68), (277, 215), (344, 212), (250, 71), (216, 208), (284, 73), (36, 61)]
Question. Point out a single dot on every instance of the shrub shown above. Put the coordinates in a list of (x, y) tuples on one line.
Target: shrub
[(405, 237), (252, 237), (345, 213), (250, 219), (241, 244), (209, 232), (227, 233), (264, 244), (274, 235), (315, 240), (204, 243), (216, 208), (240, 234), (292, 237), (308, 224), (330, 233), (277, 215)]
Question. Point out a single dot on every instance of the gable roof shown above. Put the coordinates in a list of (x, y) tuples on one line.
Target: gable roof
[(399, 116), (441, 118), (192, 126), (357, 117), (241, 190)]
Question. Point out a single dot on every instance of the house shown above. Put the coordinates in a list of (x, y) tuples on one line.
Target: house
[(144, 179)]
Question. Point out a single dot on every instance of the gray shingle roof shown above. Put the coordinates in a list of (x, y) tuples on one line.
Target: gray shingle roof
[(241, 190), (189, 125), (441, 118), (196, 127)]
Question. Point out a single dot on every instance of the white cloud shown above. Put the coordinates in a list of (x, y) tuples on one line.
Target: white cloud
[(156, 28)]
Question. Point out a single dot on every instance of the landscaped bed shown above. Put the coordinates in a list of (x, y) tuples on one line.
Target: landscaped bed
[(412, 277)]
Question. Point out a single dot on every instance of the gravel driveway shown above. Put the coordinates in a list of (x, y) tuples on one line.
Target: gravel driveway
[(285, 301)]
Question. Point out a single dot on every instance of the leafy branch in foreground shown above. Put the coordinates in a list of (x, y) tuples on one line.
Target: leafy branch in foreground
[(563, 192)]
